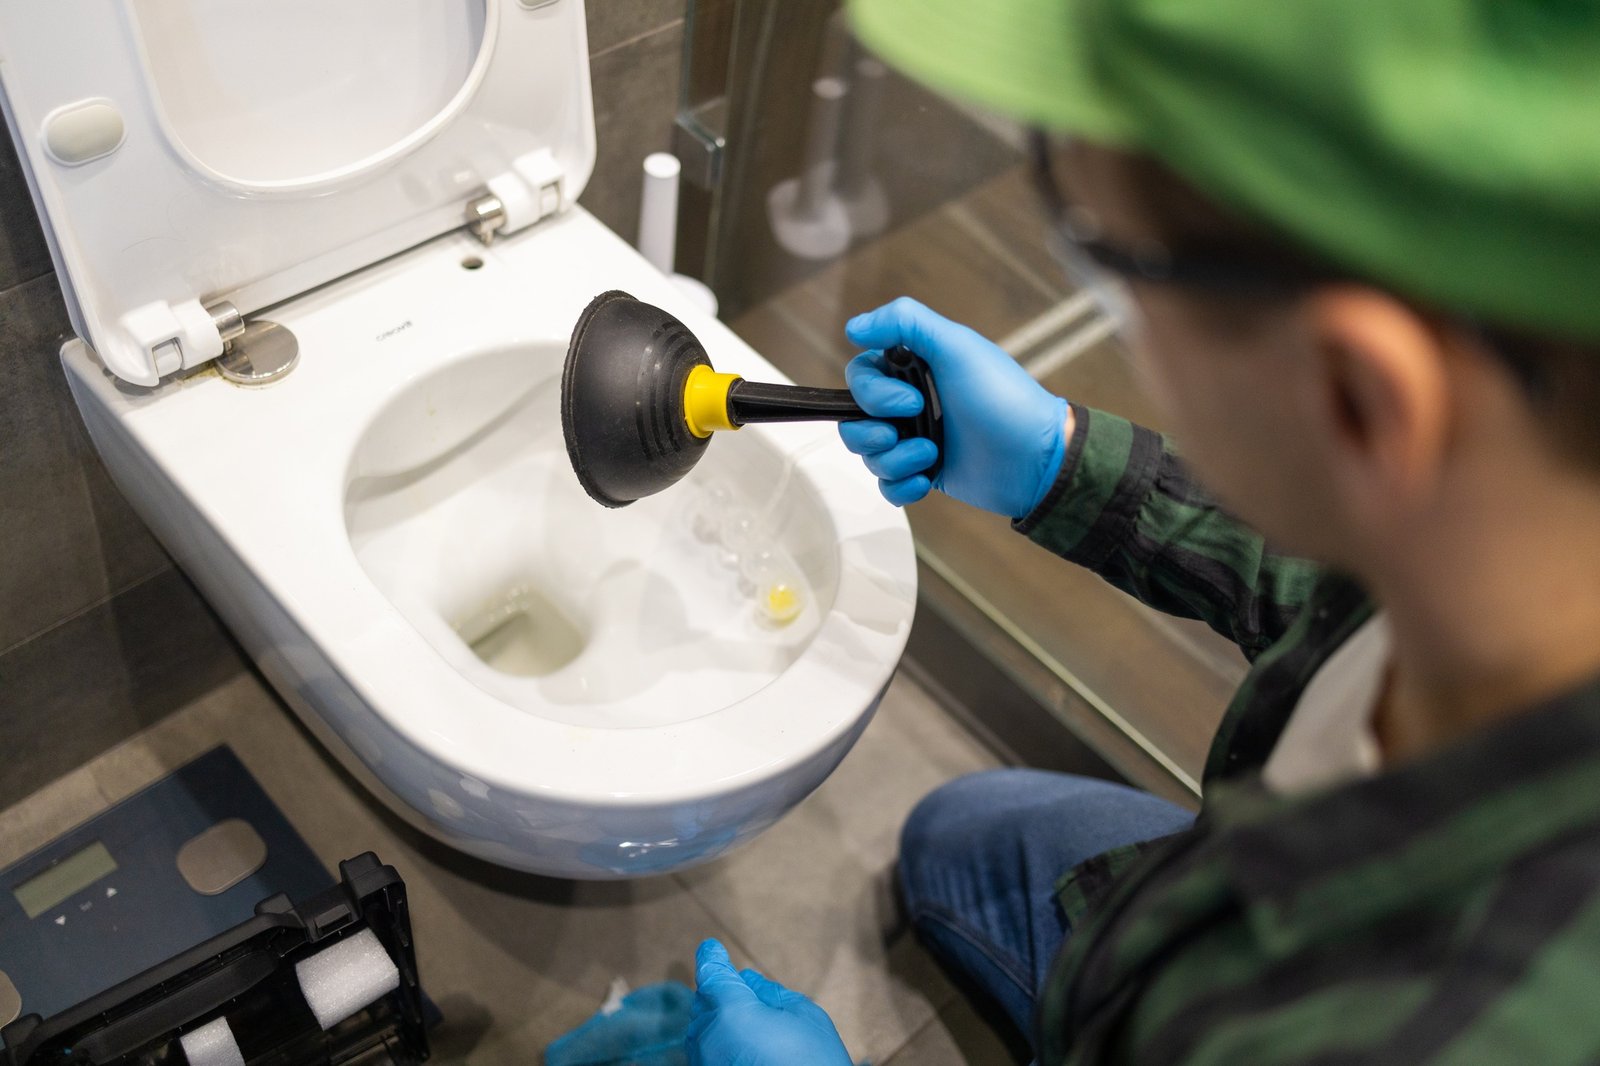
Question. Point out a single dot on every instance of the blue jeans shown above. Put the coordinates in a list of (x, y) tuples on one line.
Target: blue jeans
[(979, 858)]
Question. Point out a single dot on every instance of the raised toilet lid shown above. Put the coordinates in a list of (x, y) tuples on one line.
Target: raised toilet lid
[(189, 152)]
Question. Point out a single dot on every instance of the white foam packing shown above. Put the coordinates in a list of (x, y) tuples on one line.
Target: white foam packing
[(339, 980), (212, 1045)]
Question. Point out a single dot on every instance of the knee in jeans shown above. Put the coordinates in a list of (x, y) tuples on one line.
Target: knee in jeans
[(970, 804), (934, 814), (919, 837), (947, 824)]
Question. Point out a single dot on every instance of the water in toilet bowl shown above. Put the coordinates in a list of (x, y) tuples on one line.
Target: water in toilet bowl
[(750, 545), (521, 632), (591, 616)]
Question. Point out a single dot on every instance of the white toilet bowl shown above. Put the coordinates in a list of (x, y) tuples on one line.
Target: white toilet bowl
[(640, 710), (392, 529)]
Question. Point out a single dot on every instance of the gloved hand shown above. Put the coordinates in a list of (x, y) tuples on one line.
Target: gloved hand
[(1004, 435), (740, 1018)]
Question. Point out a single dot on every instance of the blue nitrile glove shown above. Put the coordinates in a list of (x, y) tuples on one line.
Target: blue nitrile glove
[(740, 1018), (1004, 435), (646, 1029)]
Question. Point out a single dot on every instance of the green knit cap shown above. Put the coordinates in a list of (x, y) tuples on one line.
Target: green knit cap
[(1448, 149)]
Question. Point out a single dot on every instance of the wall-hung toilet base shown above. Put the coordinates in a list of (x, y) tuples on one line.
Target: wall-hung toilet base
[(532, 678), (391, 528)]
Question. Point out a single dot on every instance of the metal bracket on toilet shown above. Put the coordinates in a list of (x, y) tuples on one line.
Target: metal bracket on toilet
[(170, 337), (253, 353), (531, 190)]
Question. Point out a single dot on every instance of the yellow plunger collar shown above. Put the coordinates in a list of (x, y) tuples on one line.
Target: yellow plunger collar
[(705, 400)]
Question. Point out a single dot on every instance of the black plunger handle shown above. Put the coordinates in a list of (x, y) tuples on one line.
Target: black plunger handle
[(752, 401), (909, 367)]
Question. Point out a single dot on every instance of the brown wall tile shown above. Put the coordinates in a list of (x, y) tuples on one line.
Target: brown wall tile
[(613, 22), (635, 100), (23, 253), (100, 677), (67, 537)]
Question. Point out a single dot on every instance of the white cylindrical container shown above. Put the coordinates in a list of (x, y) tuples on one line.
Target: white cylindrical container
[(658, 210), (822, 141)]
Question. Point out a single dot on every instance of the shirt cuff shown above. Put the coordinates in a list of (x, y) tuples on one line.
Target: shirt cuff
[(1109, 469)]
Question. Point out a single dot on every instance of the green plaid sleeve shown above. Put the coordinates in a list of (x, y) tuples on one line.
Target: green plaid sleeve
[(1125, 506)]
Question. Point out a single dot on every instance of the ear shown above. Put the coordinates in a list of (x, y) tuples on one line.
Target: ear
[(1386, 391)]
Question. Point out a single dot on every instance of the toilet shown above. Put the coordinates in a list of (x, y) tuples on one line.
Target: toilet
[(322, 262)]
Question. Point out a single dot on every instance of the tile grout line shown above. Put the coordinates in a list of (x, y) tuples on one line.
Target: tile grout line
[(725, 931), (102, 759), (1074, 344), (889, 1060), (963, 216), (636, 38), (806, 332), (80, 612), (35, 799), (48, 271), (1059, 318), (732, 940), (1060, 670)]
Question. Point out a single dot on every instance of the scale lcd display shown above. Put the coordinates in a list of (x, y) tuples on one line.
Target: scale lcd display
[(71, 875)]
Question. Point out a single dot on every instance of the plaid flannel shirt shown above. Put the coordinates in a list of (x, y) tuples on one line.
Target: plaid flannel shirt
[(1443, 911)]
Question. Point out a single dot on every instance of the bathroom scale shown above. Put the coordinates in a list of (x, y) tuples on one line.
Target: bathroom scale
[(177, 863), (329, 981)]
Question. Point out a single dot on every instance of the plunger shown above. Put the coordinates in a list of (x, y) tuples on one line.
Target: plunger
[(640, 400)]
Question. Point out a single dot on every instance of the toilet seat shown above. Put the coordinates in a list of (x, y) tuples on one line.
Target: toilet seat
[(190, 153)]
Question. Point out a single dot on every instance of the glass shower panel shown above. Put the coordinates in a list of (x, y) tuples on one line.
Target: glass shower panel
[(842, 185)]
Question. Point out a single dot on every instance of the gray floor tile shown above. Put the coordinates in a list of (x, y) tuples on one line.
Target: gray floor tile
[(957, 1036), (180, 737), (824, 934), (818, 919), (66, 534), (911, 748), (35, 821), (813, 899), (515, 960)]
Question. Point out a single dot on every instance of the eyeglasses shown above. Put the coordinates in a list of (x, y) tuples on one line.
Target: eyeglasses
[(1103, 268)]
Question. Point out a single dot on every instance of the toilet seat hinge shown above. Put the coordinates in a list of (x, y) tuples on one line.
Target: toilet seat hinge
[(485, 215), (531, 190), (167, 337), (228, 320), (254, 353)]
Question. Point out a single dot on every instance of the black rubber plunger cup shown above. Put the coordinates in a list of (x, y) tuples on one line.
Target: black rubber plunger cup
[(637, 410)]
